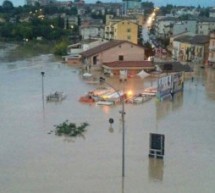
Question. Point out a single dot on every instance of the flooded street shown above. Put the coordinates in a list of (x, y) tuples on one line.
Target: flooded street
[(32, 160)]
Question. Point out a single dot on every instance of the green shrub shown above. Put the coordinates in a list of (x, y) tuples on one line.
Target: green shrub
[(70, 129)]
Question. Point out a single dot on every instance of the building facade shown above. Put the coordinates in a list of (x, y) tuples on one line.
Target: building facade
[(163, 26), (131, 5), (191, 48), (184, 26), (205, 25), (126, 30), (117, 49), (122, 29), (211, 58)]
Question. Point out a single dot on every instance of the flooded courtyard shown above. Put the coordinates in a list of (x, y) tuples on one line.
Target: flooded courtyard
[(33, 160)]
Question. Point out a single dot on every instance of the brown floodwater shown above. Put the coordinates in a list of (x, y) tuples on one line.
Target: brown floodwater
[(32, 160)]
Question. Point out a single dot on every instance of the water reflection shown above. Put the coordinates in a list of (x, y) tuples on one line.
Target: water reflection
[(111, 130), (30, 154), (167, 106), (155, 169), (209, 83), (123, 184)]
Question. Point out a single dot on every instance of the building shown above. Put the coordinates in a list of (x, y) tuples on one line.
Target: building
[(91, 31), (185, 10), (212, 12), (131, 5), (185, 26), (205, 25), (126, 30), (91, 28), (74, 50), (187, 48), (123, 28), (70, 21), (115, 54), (110, 21), (211, 58), (164, 25)]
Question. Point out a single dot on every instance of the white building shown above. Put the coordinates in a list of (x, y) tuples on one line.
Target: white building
[(212, 12), (163, 26), (184, 26), (205, 25), (92, 31)]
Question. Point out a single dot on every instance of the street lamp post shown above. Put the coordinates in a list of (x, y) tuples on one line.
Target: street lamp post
[(122, 112), (123, 136), (43, 74)]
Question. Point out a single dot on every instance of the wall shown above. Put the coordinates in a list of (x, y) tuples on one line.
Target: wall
[(129, 51), (121, 31)]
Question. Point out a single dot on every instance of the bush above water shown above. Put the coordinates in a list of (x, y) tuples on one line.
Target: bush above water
[(70, 129)]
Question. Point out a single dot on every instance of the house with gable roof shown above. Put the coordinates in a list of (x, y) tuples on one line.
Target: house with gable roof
[(116, 55)]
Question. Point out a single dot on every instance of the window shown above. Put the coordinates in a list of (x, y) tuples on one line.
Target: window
[(121, 57), (128, 37), (128, 30)]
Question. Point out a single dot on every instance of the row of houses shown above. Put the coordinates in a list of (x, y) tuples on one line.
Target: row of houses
[(113, 57), (166, 27), (185, 47), (128, 27)]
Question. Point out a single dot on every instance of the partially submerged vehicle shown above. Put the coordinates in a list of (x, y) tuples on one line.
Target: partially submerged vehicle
[(56, 96)]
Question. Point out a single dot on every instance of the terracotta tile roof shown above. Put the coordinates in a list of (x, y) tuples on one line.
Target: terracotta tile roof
[(101, 48), (129, 64)]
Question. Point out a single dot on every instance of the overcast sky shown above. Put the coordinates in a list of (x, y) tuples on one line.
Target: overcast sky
[(202, 3)]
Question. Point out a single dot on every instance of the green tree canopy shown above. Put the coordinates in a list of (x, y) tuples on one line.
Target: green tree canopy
[(7, 5)]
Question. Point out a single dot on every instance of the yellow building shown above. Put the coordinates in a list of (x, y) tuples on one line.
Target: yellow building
[(126, 30)]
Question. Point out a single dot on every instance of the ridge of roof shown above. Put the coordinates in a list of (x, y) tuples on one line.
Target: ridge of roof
[(104, 46)]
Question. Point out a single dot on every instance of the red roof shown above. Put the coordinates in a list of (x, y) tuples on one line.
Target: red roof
[(129, 64)]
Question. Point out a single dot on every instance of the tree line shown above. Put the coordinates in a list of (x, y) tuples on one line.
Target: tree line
[(30, 22)]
